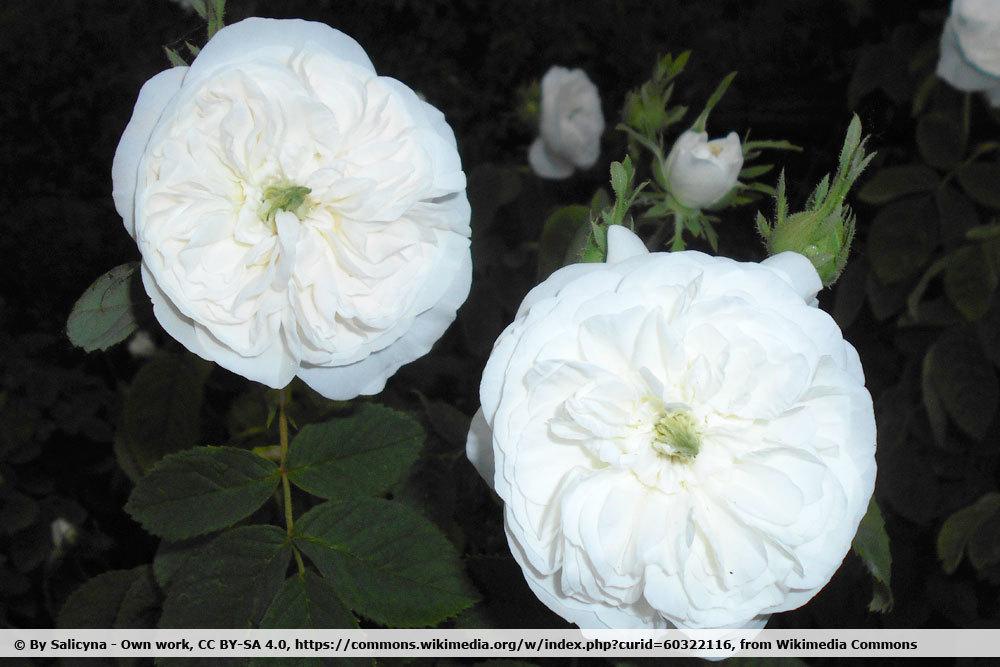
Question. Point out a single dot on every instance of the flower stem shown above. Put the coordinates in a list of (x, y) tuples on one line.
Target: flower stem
[(677, 242), (285, 485)]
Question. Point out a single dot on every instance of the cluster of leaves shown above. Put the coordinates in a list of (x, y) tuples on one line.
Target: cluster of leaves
[(930, 275), (373, 556), (220, 563)]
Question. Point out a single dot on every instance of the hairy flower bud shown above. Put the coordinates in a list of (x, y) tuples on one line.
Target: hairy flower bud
[(823, 232)]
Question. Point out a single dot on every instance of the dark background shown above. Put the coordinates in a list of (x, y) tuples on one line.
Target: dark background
[(71, 71)]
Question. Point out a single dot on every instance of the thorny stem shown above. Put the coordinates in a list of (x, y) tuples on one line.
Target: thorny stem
[(285, 485)]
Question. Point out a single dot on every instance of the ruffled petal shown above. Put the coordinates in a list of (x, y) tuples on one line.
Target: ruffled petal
[(274, 367), (154, 96), (547, 164), (624, 244), (277, 37), (369, 375)]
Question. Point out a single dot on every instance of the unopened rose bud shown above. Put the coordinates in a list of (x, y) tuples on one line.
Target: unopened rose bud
[(700, 172), (823, 232)]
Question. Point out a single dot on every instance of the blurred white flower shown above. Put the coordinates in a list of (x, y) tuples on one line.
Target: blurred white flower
[(678, 439), (700, 172), (141, 345), (296, 213), (63, 534), (187, 5), (970, 48), (570, 124)]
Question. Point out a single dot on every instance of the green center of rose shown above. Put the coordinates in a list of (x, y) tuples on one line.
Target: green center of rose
[(675, 435), (291, 198)]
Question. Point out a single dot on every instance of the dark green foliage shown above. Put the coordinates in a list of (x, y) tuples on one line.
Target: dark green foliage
[(230, 582), (872, 544), (901, 239), (933, 288), (557, 237), (891, 183), (115, 599), (200, 490), (105, 315), (307, 601), (386, 561), (964, 380), (363, 454), (973, 528), (161, 412), (979, 180)]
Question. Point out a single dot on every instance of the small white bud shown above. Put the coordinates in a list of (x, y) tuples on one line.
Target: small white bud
[(700, 172)]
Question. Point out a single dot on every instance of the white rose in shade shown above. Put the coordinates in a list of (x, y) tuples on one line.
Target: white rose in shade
[(186, 5), (700, 172), (296, 213), (570, 125), (63, 534), (141, 345), (679, 439), (970, 48)]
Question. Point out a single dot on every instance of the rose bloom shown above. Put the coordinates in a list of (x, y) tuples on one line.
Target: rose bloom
[(570, 125), (700, 172), (970, 48), (296, 213), (679, 439)]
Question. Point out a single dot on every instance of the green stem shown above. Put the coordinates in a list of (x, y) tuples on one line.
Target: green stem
[(677, 242), (286, 486)]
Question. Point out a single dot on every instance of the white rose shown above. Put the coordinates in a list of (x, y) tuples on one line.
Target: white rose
[(700, 172), (296, 213), (678, 439), (970, 48), (570, 125)]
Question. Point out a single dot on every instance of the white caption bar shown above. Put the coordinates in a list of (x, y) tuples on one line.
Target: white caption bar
[(499, 643)]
